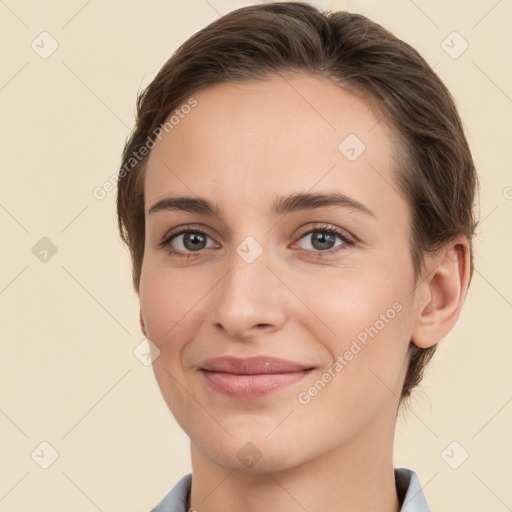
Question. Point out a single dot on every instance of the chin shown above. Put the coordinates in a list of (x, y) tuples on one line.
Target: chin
[(251, 453)]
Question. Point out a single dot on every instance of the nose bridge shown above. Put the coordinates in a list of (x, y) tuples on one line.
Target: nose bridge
[(247, 295), (248, 264), (248, 273)]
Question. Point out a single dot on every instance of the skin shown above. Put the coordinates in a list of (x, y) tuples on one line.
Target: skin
[(242, 146)]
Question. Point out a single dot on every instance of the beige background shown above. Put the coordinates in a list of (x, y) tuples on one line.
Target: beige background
[(69, 325)]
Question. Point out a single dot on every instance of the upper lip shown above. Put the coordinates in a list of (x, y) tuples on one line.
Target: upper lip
[(252, 365)]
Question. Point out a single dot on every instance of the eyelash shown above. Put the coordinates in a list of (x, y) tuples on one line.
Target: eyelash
[(347, 242)]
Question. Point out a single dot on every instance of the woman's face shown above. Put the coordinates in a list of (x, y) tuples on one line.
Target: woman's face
[(325, 284)]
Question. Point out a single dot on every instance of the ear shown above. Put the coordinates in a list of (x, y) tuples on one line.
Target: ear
[(142, 326), (441, 292)]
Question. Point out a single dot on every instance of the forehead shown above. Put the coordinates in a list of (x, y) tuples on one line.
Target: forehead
[(267, 138)]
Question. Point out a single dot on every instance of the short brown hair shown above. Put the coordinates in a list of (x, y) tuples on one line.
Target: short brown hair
[(437, 175)]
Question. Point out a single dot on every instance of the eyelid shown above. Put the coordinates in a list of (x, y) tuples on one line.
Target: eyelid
[(331, 228), (347, 239), (182, 230)]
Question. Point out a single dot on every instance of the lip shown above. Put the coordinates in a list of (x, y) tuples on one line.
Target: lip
[(251, 377), (252, 365)]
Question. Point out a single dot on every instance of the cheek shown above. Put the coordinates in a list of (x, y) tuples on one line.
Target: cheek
[(155, 304), (167, 301), (351, 302), (164, 305), (369, 314), (368, 354), (370, 343)]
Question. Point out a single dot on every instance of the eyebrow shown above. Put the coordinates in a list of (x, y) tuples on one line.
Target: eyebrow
[(293, 203)]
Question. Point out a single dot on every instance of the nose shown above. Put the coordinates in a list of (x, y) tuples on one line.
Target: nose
[(249, 299)]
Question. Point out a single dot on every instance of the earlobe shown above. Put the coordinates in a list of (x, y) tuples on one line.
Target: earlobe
[(441, 293), (142, 325)]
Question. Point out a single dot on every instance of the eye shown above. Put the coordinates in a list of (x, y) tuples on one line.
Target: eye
[(187, 242), (190, 242), (322, 240)]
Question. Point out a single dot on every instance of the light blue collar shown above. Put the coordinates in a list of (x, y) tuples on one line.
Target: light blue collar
[(408, 488)]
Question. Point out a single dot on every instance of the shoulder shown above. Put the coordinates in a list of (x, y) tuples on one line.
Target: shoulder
[(176, 499)]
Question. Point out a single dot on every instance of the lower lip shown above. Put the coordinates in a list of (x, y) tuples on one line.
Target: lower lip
[(247, 387)]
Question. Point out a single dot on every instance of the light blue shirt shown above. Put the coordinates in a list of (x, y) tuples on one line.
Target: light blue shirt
[(408, 487)]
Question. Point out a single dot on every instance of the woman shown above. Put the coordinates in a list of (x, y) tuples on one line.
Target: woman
[(297, 197)]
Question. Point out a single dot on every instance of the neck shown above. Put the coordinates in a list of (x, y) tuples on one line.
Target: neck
[(356, 476)]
